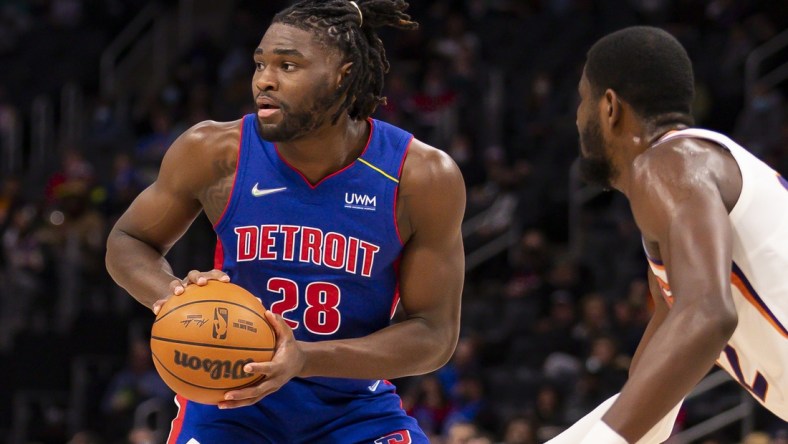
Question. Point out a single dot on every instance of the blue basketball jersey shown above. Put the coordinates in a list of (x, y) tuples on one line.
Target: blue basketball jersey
[(325, 257)]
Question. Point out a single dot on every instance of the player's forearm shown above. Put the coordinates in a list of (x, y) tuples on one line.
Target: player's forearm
[(412, 347), (138, 268), (679, 355)]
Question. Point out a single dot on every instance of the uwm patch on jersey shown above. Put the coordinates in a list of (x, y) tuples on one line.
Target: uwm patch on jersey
[(305, 244)]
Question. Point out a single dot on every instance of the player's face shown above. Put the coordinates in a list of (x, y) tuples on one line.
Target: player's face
[(295, 83), (596, 167)]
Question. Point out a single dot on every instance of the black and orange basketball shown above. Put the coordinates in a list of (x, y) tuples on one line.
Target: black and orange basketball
[(202, 339)]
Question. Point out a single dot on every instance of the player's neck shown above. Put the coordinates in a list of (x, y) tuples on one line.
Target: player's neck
[(636, 144), (632, 144), (655, 133), (328, 149)]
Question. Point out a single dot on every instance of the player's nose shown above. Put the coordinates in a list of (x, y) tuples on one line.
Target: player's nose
[(266, 80)]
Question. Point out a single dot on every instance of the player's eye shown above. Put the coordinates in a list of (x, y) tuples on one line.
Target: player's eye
[(287, 66), (259, 66)]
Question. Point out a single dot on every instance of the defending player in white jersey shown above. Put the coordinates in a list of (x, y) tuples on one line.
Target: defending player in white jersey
[(714, 221)]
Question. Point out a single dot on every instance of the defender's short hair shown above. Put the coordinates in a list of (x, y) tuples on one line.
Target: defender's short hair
[(647, 67)]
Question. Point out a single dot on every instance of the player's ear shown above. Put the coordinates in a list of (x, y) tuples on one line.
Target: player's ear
[(613, 107), (344, 71)]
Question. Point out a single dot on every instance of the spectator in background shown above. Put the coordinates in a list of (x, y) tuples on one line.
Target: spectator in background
[(75, 235), (552, 334), (607, 365), (139, 435), (138, 381), (429, 403), (78, 227), (471, 403), (464, 362), (74, 171), (594, 319), (150, 148), (759, 124), (126, 182), (520, 430), (461, 432), (432, 103), (548, 413), (461, 148), (25, 264), (86, 437)]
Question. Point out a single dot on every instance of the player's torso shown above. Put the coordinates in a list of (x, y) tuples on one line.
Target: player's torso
[(757, 353), (323, 256)]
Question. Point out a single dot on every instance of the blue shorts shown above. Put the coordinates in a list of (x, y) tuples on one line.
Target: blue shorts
[(301, 412)]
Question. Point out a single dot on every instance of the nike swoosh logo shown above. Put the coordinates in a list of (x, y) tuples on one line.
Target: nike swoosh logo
[(374, 386), (256, 192)]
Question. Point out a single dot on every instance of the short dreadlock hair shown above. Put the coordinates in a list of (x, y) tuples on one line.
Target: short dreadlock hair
[(648, 68), (338, 22)]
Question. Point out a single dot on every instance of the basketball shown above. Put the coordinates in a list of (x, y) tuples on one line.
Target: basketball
[(201, 340)]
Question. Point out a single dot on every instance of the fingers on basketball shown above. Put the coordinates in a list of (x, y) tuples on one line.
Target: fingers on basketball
[(201, 341)]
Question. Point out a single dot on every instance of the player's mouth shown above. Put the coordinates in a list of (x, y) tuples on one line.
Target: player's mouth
[(267, 107)]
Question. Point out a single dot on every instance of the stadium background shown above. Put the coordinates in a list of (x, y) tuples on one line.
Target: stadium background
[(93, 92)]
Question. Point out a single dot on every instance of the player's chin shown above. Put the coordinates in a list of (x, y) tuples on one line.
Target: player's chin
[(273, 132)]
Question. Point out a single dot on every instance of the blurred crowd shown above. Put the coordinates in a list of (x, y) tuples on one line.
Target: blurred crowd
[(551, 316)]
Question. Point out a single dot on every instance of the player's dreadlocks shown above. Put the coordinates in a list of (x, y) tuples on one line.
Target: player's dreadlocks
[(351, 27)]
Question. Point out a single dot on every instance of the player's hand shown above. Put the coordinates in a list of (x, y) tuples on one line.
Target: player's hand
[(195, 277), (288, 361)]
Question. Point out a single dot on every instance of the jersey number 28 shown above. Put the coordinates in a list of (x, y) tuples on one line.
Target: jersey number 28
[(321, 315)]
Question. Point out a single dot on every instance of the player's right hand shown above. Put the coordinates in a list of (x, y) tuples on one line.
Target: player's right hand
[(195, 277)]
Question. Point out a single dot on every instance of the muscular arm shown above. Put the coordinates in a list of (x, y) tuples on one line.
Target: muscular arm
[(677, 203), (162, 213), (431, 279)]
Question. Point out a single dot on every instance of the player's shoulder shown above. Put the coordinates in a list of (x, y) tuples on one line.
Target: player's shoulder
[(426, 164), (201, 155), (680, 161), (432, 192), (209, 135), (678, 174)]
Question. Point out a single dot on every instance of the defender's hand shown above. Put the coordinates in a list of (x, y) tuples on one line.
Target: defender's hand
[(178, 286), (288, 361)]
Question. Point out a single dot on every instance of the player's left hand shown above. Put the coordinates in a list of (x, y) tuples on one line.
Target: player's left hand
[(288, 361)]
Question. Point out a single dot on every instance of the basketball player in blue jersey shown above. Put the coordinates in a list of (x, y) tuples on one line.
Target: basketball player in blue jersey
[(331, 218), (714, 222)]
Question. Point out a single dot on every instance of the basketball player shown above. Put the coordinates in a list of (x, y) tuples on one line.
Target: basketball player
[(714, 222), (331, 218)]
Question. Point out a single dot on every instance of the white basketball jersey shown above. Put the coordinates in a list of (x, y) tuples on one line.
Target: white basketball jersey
[(757, 353)]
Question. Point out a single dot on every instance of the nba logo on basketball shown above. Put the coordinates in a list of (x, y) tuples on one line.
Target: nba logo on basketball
[(220, 323)]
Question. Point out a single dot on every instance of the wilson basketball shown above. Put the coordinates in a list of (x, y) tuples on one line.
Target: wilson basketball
[(202, 339)]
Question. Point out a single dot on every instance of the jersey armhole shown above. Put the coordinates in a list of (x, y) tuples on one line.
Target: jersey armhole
[(229, 207), (396, 189)]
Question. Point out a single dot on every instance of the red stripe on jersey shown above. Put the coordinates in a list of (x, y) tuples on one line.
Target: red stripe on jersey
[(235, 177), (395, 299), (396, 190), (218, 255), (177, 423), (313, 186)]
